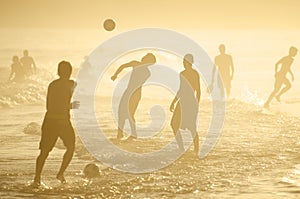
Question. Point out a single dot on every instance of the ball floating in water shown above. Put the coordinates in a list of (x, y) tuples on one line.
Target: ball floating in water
[(109, 24), (91, 171)]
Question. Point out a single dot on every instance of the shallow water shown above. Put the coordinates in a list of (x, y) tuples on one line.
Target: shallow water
[(257, 156)]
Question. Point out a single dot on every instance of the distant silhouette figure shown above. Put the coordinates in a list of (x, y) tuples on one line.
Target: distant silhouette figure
[(225, 67), (87, 67), (57, 121), (133, 93), (186, 110), (280, 76), (28, 63), (17, 71)]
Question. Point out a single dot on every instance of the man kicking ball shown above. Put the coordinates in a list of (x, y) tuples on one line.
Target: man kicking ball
[(57, 121)]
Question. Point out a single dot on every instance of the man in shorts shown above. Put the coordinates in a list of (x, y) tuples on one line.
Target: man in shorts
[(280, 76), (224, 64), (57, 122)]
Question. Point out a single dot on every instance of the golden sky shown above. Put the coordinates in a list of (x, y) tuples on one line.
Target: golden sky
[(190, 14)]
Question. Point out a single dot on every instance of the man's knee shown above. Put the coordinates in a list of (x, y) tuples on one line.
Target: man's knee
[(276, 89), (132, 119), (44, 154), (288, 86)]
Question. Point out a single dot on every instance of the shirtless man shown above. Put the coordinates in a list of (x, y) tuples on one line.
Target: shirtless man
[(133, 93), (185, 104), (225, 67), (280, 76), (28, 63), (57, 122)]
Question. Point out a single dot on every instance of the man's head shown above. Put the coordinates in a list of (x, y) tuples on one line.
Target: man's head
[(64, 69), (188, 61), (293, 51), (15, 59), (222, 48), (149, 59), (25, 53)]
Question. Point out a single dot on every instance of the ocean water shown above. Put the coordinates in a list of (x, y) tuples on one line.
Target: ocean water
[(257, 154)]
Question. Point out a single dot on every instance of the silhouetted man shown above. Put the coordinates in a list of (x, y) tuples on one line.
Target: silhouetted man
[(280, 76), (186, 100), (17, 70), (133, 93), (57, 121), (225, 67), (28, 63)]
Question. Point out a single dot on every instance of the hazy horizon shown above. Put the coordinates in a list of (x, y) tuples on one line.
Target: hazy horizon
[(191, 14)]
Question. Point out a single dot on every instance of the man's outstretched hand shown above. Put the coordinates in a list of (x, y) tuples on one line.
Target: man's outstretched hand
[(113, 77)]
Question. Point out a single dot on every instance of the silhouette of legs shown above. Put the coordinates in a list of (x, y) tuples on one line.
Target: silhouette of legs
[(133, 128), (66, 161), (175, 124), (267, 104), (288, 85), (227, 92), (196, 141), (121, 124), (40, 162), (223, 88), (278, 84), (127, 108), (133, 104), (178, 138)]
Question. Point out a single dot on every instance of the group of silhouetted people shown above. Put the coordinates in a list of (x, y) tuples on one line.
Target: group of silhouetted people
[(184, 106), (22, 68), (224, 65)]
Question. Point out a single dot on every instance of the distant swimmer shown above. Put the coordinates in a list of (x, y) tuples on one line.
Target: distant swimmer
[(17, 71), (57, 122), (224, 64), (133, 93), (280, 76), (28, 63), (186, 101)]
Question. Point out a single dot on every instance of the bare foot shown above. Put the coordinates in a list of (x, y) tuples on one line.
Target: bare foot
[(35, 184), (61, 178), (37, 180), (277, 98), (130, 138), (120, 136)]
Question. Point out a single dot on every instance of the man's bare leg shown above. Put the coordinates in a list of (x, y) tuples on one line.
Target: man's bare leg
[(178, 138), (121, 124), (196, 141), (288, 86), (65, 163), (40, 162)]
